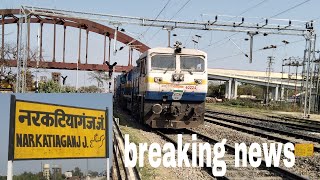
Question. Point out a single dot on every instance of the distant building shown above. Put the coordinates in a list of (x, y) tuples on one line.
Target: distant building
[(56, 171), (46, 171), (68, 174), (56, 76)]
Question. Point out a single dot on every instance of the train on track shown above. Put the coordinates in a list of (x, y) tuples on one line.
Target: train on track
[(167, 88)]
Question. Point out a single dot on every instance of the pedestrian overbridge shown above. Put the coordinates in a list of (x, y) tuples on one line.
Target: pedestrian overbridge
[(277, 82)]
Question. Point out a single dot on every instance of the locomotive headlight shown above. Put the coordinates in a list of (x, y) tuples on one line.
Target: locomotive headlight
[(181, 77), (176, 77), (198, 81), (157, 79)]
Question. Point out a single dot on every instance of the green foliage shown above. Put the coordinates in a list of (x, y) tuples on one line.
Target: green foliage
[(249, 89), (93, 173), (215, 90), (53, 87), (49, 87), (283, 106), (247, 103), (68, 89), (77, 172), (29, 176), (89, 89)]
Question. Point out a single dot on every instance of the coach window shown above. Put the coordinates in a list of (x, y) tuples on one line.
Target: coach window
[(191, 63)]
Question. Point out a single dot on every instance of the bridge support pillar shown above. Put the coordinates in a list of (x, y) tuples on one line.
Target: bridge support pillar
[(275, 93), (228, 89), (234, 89), (282, 93), (231, 89)]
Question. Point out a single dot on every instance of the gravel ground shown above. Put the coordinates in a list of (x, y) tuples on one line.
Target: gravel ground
[(308, 166), (139, 134), (232, 171)]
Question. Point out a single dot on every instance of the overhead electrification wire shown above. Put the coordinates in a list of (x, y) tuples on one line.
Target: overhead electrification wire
[(282, 12), (157, 17), (238, 54), (293, 7), (142, 34), (184, 5), (243, 12)]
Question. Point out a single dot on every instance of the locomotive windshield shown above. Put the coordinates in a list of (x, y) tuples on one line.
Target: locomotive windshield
[(166, 62), (192, 63)]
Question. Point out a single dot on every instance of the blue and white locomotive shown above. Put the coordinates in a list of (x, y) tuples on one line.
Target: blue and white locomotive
[(167, 88)]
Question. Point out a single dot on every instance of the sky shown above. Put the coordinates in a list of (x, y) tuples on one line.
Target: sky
[(97, 101), (223, 48)]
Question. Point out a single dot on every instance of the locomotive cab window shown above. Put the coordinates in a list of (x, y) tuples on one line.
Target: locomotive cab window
[(192, 63), (163, 62)]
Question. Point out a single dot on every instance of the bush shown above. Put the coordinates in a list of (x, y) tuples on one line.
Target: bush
[(248, 103), (241, 103)]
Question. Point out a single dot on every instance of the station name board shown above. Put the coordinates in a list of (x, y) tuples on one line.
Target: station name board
[(50, 131)]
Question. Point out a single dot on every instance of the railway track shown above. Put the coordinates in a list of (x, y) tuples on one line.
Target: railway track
[(263, 131), (122, 172), (299, 124), (262, 172), (295, 119)]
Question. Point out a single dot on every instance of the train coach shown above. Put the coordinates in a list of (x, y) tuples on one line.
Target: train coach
[(166, 89)]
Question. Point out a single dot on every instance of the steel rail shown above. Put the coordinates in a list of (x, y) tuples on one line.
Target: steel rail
[(136, 174), (302, 126), (278, 170), (250, 131), (305, 121), (117, 164), (287, 133)]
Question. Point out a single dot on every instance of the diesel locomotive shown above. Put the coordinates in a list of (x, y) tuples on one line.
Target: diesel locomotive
[(166, 89)]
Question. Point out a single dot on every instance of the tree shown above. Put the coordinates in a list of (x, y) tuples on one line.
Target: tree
[(77, 172), (249, 89), (99, 76), (93, 173), (29, 176), (215, 90), (6, 76)]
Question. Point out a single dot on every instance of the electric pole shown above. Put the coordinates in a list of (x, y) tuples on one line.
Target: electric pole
[(269, 69)]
